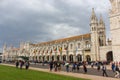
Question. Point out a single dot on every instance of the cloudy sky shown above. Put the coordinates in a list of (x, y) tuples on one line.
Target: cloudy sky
[(45, 20)]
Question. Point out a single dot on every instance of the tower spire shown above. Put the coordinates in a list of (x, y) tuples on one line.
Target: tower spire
[(101, 22), (93, 16)]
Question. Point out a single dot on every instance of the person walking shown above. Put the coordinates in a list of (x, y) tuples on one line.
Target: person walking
[(117, 71), (104, 70), (51, 65)]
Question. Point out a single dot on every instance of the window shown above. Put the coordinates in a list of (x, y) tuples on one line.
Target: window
[(87, 44)]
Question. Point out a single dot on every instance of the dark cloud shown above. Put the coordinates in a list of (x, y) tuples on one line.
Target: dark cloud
[(44, 20)]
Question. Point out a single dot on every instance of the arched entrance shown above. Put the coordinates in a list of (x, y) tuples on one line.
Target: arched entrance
[(52, 58), (71, 58), (79, 57), (47, 58), (43, 58), (64, 57), (33, 58), (39, 58), (58, 58), (36, 58), (109, 56), (88, 58)]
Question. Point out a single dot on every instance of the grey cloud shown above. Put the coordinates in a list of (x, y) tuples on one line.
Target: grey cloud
[(36, 21)]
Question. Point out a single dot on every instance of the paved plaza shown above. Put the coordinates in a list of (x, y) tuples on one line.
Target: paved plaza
[(92, 74)]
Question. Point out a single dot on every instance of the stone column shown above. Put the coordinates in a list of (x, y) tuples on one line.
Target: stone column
[(50, 58), (67, 55), (45, 57), (55, 56), (61, 56), (74, 57)]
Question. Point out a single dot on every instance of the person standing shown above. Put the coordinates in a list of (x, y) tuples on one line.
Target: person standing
[(21, 64), (85, 68), (92, 65), (73, 66), (59, 66), (55, 66), (17, 64), (113, 67), (78, 67), (104, 70), (98, 66), (27, 65), (117, 71), (67, 66)]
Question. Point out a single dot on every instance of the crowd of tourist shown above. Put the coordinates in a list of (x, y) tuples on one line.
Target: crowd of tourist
[(22, 63), (76, 66)]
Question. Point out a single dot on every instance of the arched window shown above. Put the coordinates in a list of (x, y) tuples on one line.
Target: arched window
[(87, 44), (92, 29)]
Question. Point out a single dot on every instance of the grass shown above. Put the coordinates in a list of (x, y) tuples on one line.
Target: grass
[(12, 73)]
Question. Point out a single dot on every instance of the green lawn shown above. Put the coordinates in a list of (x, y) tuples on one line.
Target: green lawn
[(11, 73)]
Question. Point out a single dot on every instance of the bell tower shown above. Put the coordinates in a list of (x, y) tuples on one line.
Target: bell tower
[(114, 16), (102, 32), (94, 36)]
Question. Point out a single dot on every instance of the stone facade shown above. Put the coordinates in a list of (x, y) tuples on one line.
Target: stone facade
[(86, 47), (115, 28)]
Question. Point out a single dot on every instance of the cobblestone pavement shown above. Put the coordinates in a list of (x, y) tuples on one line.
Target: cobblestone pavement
[(92, 74)]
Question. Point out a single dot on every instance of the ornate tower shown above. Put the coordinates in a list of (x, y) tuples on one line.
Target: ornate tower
[(4, 56), (94, 37), (101, 32), (4, 48), (115, 28)]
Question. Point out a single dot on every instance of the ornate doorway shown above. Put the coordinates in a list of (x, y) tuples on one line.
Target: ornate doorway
[(88, 58), (43, 58), (109, 56), (64, 57), (58, 58), (79, 57), (52, 58), (47, 58), (71, 58)]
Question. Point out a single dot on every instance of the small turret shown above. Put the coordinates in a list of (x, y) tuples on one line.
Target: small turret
[(93, 17), (102, 32), (4, 48), (101, 22), (93, 21)]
